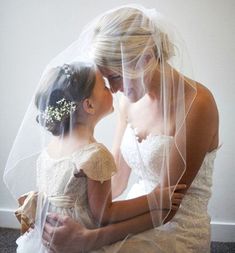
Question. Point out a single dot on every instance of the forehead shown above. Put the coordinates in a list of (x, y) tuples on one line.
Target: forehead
[(106, 72), (99, 75)]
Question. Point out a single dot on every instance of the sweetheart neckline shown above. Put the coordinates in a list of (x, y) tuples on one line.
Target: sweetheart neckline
[(163, 136), (148, 136)]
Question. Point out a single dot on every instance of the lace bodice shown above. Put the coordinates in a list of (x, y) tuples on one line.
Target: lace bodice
[(146, 154), (150, 152)]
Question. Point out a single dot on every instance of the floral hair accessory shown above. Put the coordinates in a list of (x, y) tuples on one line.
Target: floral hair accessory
[(67, 71), (64, 108)]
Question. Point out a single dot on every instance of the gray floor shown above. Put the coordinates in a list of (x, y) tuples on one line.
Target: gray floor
[(8, 237)]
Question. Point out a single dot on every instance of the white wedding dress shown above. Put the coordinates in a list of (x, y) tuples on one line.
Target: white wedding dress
[(189, 230)]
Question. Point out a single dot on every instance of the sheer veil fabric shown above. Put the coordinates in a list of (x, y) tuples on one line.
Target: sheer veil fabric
[(138, 50)]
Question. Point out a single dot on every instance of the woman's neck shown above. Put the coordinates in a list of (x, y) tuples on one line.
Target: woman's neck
[(161, 76)]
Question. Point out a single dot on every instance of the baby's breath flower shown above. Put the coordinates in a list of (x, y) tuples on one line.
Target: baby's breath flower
[(64, 108)]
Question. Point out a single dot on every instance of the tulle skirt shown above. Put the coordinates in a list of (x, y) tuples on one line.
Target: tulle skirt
[(30, 242)]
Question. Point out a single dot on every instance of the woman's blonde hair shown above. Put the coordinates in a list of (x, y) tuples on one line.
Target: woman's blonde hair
[(125, 35)]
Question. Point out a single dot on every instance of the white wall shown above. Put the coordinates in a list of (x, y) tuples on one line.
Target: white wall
[(34, 31)]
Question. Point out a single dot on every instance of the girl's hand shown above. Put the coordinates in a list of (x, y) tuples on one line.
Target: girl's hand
[(168, 197)]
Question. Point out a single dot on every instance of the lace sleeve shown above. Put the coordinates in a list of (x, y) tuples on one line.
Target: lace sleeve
[(97, 163)]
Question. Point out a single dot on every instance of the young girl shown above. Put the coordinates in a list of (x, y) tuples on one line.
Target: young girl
[(74, 171)]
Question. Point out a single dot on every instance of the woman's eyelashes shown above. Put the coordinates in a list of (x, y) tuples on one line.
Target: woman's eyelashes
[(115, 77)]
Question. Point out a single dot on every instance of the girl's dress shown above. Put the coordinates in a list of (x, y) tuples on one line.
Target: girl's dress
[(62, 189)]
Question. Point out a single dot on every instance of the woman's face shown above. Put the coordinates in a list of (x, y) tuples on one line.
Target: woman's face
[(132, 88)]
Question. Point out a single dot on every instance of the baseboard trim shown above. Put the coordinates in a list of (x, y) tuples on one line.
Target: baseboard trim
[(8, 219), (220, 231), (223, 231)]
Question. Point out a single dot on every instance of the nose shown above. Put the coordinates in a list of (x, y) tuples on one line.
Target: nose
[(116, 88)]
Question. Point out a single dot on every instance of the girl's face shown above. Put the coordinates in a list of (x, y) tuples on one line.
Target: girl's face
[(101, 96)]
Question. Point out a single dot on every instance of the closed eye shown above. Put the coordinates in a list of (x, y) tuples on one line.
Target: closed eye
[(115, 77)]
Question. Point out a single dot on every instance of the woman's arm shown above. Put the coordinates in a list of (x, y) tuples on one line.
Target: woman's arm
[(201, 137), (118, 231), (120, 179), (71, 236)]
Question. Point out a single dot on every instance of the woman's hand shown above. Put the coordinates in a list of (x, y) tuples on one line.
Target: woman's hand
[(62, 234), (167, 197)]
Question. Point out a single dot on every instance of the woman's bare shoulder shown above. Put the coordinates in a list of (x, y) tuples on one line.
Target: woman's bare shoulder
[(203, 118), (204, 100), (203, 90)]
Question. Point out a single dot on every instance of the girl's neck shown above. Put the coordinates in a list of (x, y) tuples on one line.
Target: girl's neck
[(82, 133), (81, 136)]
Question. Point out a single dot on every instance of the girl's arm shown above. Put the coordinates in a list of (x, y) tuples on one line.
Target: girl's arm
[(118, 231), (105, 211)]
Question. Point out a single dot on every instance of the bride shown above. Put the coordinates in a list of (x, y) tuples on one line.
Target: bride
[(167, 133)]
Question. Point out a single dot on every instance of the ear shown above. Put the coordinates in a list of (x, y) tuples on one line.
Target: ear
[(149, 55), (145, 58), (88, 106)]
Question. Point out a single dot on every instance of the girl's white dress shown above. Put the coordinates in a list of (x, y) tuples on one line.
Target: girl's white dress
[(188, 231), (63, 189)]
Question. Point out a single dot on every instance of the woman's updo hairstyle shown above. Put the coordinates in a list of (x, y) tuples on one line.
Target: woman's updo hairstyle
[(60, 95), (123, 35)]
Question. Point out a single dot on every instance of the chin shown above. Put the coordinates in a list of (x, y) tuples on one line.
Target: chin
[(108, 112), (133, 99), (111, 110), (134, 95)]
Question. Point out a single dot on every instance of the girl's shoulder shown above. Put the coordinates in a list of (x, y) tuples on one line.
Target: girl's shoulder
[(97, 162), (94, 153), (93, 150)]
